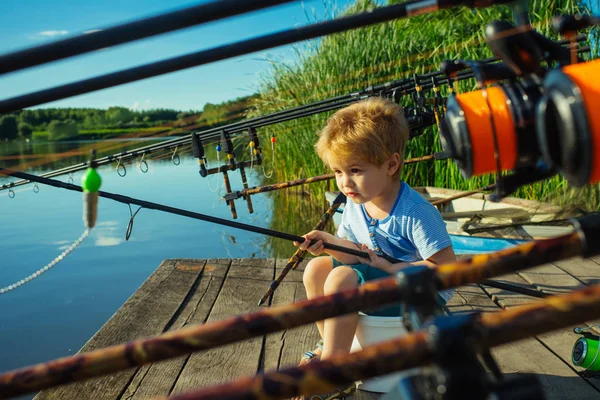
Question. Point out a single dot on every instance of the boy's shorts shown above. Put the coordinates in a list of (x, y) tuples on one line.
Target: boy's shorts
[(367, 273)]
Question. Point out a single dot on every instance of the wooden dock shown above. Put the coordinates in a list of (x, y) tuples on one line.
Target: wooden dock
[(183, 292)]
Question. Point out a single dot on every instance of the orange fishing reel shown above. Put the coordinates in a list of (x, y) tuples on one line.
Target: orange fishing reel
[(495, 129), (568, 118), (530, 121)]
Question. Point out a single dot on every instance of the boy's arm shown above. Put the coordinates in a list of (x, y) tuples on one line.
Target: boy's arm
[(323, 237)]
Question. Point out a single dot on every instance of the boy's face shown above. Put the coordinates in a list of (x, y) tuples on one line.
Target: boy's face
[(360, 181)]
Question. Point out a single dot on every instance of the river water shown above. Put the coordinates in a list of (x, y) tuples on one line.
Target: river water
[(55, 314)]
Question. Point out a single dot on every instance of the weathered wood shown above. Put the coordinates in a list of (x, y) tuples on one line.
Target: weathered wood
[(550, 279), (245, 282), (158, 378), (511, 212), (558, 380), (585, 270), (148, 312)]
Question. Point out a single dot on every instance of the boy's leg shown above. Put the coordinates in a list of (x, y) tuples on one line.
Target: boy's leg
[(339, 332), (315, 275)]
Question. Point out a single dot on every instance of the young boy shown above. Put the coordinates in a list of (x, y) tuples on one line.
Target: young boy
[(364, 145)]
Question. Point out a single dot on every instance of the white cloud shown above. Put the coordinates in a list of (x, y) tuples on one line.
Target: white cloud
[(104, 241), (53, 33), (91, 31)]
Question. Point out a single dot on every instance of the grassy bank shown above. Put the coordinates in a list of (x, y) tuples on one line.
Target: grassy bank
[(345, 62)]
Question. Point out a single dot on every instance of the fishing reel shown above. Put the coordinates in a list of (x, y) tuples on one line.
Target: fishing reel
[(529, 121), (586, 351), (422, 114), (568, 122)]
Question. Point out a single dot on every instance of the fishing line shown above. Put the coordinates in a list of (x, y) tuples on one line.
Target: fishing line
[(130, 224), (90, 183), (269, 175), (51, 264)]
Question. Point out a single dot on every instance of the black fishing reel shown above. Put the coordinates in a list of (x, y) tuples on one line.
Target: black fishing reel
[(419, 119)]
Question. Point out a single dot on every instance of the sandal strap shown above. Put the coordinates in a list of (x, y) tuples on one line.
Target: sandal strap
[(320, 344), (309, 355)]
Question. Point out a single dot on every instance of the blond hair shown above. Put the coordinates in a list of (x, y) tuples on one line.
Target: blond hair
[(371, 130)]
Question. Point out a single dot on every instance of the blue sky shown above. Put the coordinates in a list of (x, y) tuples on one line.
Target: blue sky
[(28, 23)]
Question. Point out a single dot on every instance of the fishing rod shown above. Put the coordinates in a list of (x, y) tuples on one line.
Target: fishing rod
[(190, 214), (129, 32), (405, 86), (312, 31), (299, 254), (444, 342), (408, 286), (297, 182)]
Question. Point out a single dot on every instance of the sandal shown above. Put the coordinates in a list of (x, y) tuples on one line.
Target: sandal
[(308, 356), (337, 393)]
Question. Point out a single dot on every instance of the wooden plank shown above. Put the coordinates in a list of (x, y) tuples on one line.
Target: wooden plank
[(148, 312), (158, 379), (246, 280), (509, 212), (558, 380), (548, 279), (585, 270), (284, 349)]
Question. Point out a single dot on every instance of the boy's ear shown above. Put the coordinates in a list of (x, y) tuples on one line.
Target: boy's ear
[(393, 164)]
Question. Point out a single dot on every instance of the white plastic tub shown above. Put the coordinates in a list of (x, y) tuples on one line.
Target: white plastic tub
[(373, 330)]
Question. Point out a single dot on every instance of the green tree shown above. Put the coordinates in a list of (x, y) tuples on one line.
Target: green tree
[(8, 127), (59, 130), (25, 130)]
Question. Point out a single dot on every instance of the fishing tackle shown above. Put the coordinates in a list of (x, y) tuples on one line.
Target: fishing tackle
[(255, 150), (121, 170), (90, 183), (568, 122), (143, 164), (270, 174), (228, 148), (586, 351), (36, 188), (198, 151), (175, 157), (502, 119)]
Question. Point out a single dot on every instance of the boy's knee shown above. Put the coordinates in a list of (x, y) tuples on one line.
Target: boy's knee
[(341, 278), (317, 270)]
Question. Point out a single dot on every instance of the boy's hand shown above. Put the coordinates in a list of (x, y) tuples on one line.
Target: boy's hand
[(316, 248), (374, 260)]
